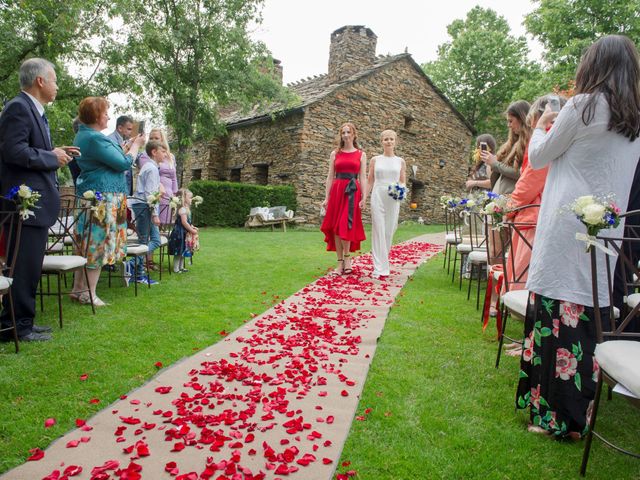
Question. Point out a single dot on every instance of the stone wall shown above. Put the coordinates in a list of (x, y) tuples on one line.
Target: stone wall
[(400, 98), (271, 145)]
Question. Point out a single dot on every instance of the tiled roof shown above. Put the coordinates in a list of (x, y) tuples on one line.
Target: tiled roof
[(312, 89)]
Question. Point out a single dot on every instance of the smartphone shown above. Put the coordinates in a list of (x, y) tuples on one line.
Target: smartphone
[(141, 127), (554, 103), (483, 146)]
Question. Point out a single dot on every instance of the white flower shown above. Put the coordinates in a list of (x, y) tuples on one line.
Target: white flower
[(582, 202), (174, 202), (471, 203), (25, 214), (24, 192), (490, 207), (89, 195), (593, 214)]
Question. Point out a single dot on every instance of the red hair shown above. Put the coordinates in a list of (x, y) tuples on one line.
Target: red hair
[(91, 108), (353, 130)]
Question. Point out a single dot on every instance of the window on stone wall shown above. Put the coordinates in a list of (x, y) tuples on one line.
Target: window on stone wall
[(235, 175), (196, 174), (262, 173), (408, 122)]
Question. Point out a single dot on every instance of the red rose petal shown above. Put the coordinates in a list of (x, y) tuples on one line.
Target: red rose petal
[(158, 364), (49, 422), (94, 401), (36, 454), (73, 443), (84, 376), (72, 470)]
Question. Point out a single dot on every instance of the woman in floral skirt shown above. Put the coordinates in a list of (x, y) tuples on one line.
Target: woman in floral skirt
[(591, 149)]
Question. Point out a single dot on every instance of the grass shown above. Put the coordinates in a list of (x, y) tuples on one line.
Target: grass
[(235, 274), (439, 408)]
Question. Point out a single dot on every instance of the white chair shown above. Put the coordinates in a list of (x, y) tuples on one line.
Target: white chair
[(617, 351)]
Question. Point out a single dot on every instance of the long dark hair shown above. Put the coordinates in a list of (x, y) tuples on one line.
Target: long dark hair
[(610, 67), (511, 153)]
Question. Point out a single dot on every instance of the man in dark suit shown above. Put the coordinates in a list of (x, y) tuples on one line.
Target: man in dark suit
[(28, 156)]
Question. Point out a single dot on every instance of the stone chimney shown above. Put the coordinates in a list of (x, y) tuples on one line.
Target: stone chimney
[(353, 49)]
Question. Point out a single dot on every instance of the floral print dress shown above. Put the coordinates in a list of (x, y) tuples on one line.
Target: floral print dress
[(558, 371)]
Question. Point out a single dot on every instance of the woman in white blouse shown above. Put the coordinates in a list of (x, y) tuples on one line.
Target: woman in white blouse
[(591, 149)]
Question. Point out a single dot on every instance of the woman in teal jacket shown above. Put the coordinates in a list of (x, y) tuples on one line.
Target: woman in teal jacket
[(102, 165)]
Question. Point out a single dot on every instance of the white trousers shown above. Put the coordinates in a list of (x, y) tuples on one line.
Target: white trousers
[(384, 221)]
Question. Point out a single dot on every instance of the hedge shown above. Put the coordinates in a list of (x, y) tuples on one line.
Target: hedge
[(227, 204)]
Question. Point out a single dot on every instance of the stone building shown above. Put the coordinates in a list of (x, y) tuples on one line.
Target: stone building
[(292, 145)]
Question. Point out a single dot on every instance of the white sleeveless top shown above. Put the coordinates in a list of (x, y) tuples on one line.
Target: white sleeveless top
[(387, 170)]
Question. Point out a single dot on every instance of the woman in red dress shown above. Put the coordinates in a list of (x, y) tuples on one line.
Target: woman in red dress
[(345, 198)]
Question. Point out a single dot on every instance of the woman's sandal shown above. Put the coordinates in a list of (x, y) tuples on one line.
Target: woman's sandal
[(347, 270), (340, 269)]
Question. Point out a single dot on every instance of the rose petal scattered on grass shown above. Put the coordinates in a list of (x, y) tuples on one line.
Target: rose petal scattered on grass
[(49, 422), (36, 454)]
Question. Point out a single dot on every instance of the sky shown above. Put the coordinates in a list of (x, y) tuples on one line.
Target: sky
[(298, 31)]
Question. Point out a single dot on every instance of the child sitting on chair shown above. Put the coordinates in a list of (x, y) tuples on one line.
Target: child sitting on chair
[(183, 240)]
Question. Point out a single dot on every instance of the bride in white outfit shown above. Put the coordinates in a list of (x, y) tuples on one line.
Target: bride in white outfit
[(384, 170)]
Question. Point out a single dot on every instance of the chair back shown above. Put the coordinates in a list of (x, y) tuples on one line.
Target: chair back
[(624, 265), (457, 224), (516, 274), (71, 233), (167, 212), (477, 230), (10, 232)]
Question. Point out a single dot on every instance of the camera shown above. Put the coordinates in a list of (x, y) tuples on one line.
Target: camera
[(483, 146), (554, 103)]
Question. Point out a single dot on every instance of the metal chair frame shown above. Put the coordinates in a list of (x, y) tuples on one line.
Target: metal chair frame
[(11, 231), (616, 331)]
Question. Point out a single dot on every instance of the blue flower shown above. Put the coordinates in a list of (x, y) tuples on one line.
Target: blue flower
[(492, 195), (99, 196), (12, 193)]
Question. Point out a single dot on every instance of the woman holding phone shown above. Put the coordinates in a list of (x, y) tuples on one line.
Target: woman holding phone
[(479, 178)]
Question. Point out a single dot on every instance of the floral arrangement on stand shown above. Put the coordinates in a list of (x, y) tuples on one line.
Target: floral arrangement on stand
[(496, 207), (197, 201), (174, 203), (596, 214), (26, 198), (397, 191), (449, 201), (153, 199), (98, 204)]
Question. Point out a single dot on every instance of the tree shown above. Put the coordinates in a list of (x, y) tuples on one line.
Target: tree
[(192, 57), (72, 34), (567, 27), (481, 67)]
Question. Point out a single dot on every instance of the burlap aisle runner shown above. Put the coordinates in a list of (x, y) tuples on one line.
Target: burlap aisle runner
[(275, 399)]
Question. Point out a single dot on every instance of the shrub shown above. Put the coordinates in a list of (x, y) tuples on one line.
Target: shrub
[(227, 204)]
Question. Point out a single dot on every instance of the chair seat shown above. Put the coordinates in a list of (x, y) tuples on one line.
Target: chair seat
[(620, 359), (464, 247), (5, 283), (453, 238), (56, 263), (516, 301), (137, 249), (633, 300), (478, 256), (163, 240), (55, 247)]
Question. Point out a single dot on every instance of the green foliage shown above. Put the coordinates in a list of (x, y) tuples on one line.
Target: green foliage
[(229, 203), (567, 27), (192, 57), (64, 33), (481, 67)]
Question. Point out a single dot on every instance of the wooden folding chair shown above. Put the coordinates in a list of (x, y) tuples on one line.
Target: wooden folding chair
[(10, 232), (618, 350), (513, 302), (73, 248)]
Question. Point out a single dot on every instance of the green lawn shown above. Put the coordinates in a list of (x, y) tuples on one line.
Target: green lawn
[(440, 409)]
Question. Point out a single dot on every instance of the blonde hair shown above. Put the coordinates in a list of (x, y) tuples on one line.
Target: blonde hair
[(182, 194), (165, 144), (511, 153), (388, 131)]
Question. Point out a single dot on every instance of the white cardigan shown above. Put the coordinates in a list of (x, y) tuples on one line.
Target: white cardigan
[(584, 160)]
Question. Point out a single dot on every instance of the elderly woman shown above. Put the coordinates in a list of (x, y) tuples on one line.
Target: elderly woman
[(102, 164)]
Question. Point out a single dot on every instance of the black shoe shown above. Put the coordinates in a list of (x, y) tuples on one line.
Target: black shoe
[(40, 329), (35, 337)]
